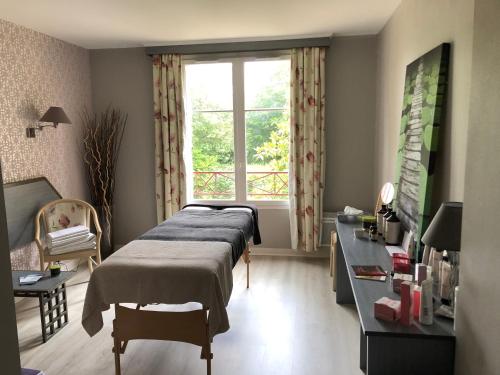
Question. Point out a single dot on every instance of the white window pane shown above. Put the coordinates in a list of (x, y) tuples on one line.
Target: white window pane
[(267, 84), (213, 155), (267, 150), (209, 86)]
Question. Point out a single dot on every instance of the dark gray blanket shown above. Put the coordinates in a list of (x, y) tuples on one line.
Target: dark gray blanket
[(234, 227)]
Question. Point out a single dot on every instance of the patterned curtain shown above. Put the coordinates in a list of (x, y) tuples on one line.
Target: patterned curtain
[(307, 146), (169, 135)]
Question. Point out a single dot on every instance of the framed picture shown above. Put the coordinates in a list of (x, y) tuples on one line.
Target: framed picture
[(423, 112)]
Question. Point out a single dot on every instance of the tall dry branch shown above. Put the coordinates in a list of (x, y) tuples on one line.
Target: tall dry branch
[(102, 138)]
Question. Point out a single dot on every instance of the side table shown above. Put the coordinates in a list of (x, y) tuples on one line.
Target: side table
[(51, 293)]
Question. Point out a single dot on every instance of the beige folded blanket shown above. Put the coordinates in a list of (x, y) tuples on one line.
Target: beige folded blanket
[(169, 272)]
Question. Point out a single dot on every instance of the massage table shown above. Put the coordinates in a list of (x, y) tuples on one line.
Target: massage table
[(187, 258)]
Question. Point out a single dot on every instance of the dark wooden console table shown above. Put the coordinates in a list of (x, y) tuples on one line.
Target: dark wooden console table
[(51, 294), (388, 348)]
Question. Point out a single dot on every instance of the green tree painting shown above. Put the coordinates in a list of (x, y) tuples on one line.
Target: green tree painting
[(423, 109)]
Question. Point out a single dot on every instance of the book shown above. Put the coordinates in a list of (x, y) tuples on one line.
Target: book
[(30, 279), (373, 278), (28, 371), (369, 271), (374, 273)]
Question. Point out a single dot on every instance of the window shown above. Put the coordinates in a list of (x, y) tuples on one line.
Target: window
[(238, 129)]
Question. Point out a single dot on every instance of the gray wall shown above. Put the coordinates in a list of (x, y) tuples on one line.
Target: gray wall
[(416, 27), (478, 315), (123, 78), (350, 123)]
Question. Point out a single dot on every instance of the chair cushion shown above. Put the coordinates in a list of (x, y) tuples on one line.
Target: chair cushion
[(65, 215)]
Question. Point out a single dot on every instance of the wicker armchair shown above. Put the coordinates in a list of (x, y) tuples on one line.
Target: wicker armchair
[(64, 213)]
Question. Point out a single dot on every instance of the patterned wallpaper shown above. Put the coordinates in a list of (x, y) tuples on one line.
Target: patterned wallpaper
[(36, 72)]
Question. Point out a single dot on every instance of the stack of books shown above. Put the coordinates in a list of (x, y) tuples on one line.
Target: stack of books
[(70, 239), (28, 371)]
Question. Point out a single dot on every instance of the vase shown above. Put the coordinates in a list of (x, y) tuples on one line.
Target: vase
[(106, 238)]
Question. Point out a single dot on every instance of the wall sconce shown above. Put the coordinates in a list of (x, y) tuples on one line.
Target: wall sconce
[(55, 115)]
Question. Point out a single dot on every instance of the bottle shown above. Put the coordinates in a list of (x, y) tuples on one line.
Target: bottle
[(373, 233), (384, 220), (417, 291), (426, 314), (393, 228), (444, 279), (380, 219)]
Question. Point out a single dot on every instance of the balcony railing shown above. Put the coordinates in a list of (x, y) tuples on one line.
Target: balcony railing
[(262, 185)]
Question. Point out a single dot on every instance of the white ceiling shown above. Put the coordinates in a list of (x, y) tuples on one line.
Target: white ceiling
[(129, 23)]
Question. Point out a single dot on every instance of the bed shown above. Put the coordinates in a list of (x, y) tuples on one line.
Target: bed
[(187, 258)]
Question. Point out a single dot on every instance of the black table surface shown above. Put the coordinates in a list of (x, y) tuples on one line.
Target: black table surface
[(366, 292), (46, 284)]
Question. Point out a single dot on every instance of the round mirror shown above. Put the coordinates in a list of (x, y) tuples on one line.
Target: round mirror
[(387, 193)]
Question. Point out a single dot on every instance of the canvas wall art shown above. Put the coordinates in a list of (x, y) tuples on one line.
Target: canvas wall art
[(423, 113)]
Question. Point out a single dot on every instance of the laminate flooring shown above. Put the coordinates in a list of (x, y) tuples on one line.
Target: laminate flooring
[(287, 323)]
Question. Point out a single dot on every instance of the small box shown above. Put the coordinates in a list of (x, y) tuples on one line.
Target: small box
[(420, 273), (401, 263), (406, 300), (399, 278), (387, 309)]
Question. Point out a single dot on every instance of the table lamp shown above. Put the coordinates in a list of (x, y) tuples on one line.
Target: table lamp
[(444, 233), (445, 229)]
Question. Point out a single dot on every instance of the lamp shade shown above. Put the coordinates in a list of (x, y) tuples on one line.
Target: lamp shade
[(55, 115), (445, 229)]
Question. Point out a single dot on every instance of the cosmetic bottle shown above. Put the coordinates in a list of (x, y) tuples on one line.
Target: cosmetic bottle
[(416, 299), (393, 229), (384, 220), (444, 279), (426, 313), (380, 219), (373, 233)]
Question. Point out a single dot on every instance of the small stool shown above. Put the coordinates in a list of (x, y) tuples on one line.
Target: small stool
[(51, 294)]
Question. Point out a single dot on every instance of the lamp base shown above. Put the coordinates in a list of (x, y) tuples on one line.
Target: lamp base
[(30, 132)]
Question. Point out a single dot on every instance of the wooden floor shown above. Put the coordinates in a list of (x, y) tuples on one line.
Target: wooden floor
[(286, 323)]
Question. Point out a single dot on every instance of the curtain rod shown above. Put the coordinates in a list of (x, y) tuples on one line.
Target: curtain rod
[(265, 45)]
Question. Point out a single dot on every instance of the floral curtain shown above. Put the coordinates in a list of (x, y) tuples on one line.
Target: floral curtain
[(169, 135), (307, 146)]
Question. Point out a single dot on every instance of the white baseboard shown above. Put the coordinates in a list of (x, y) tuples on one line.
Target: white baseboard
[(323, 252)]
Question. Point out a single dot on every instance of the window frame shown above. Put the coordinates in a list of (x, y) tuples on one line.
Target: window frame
[(239, 130)]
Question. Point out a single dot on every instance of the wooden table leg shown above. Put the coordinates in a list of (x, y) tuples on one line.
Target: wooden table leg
[(116, 351), (42, 317), (207, 349)]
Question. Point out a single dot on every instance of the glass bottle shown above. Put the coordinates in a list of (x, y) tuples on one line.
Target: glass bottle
[(373, 232), (392, 229), (384, 221), (380, 219)]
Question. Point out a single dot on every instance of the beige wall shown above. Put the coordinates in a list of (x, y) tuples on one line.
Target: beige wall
[(469, 149), (123, 78), (36, 72), (350, 123), (416, 27), (478, 315)]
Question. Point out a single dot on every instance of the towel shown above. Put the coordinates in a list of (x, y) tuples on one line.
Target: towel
[(70, 239), (170, 272)]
